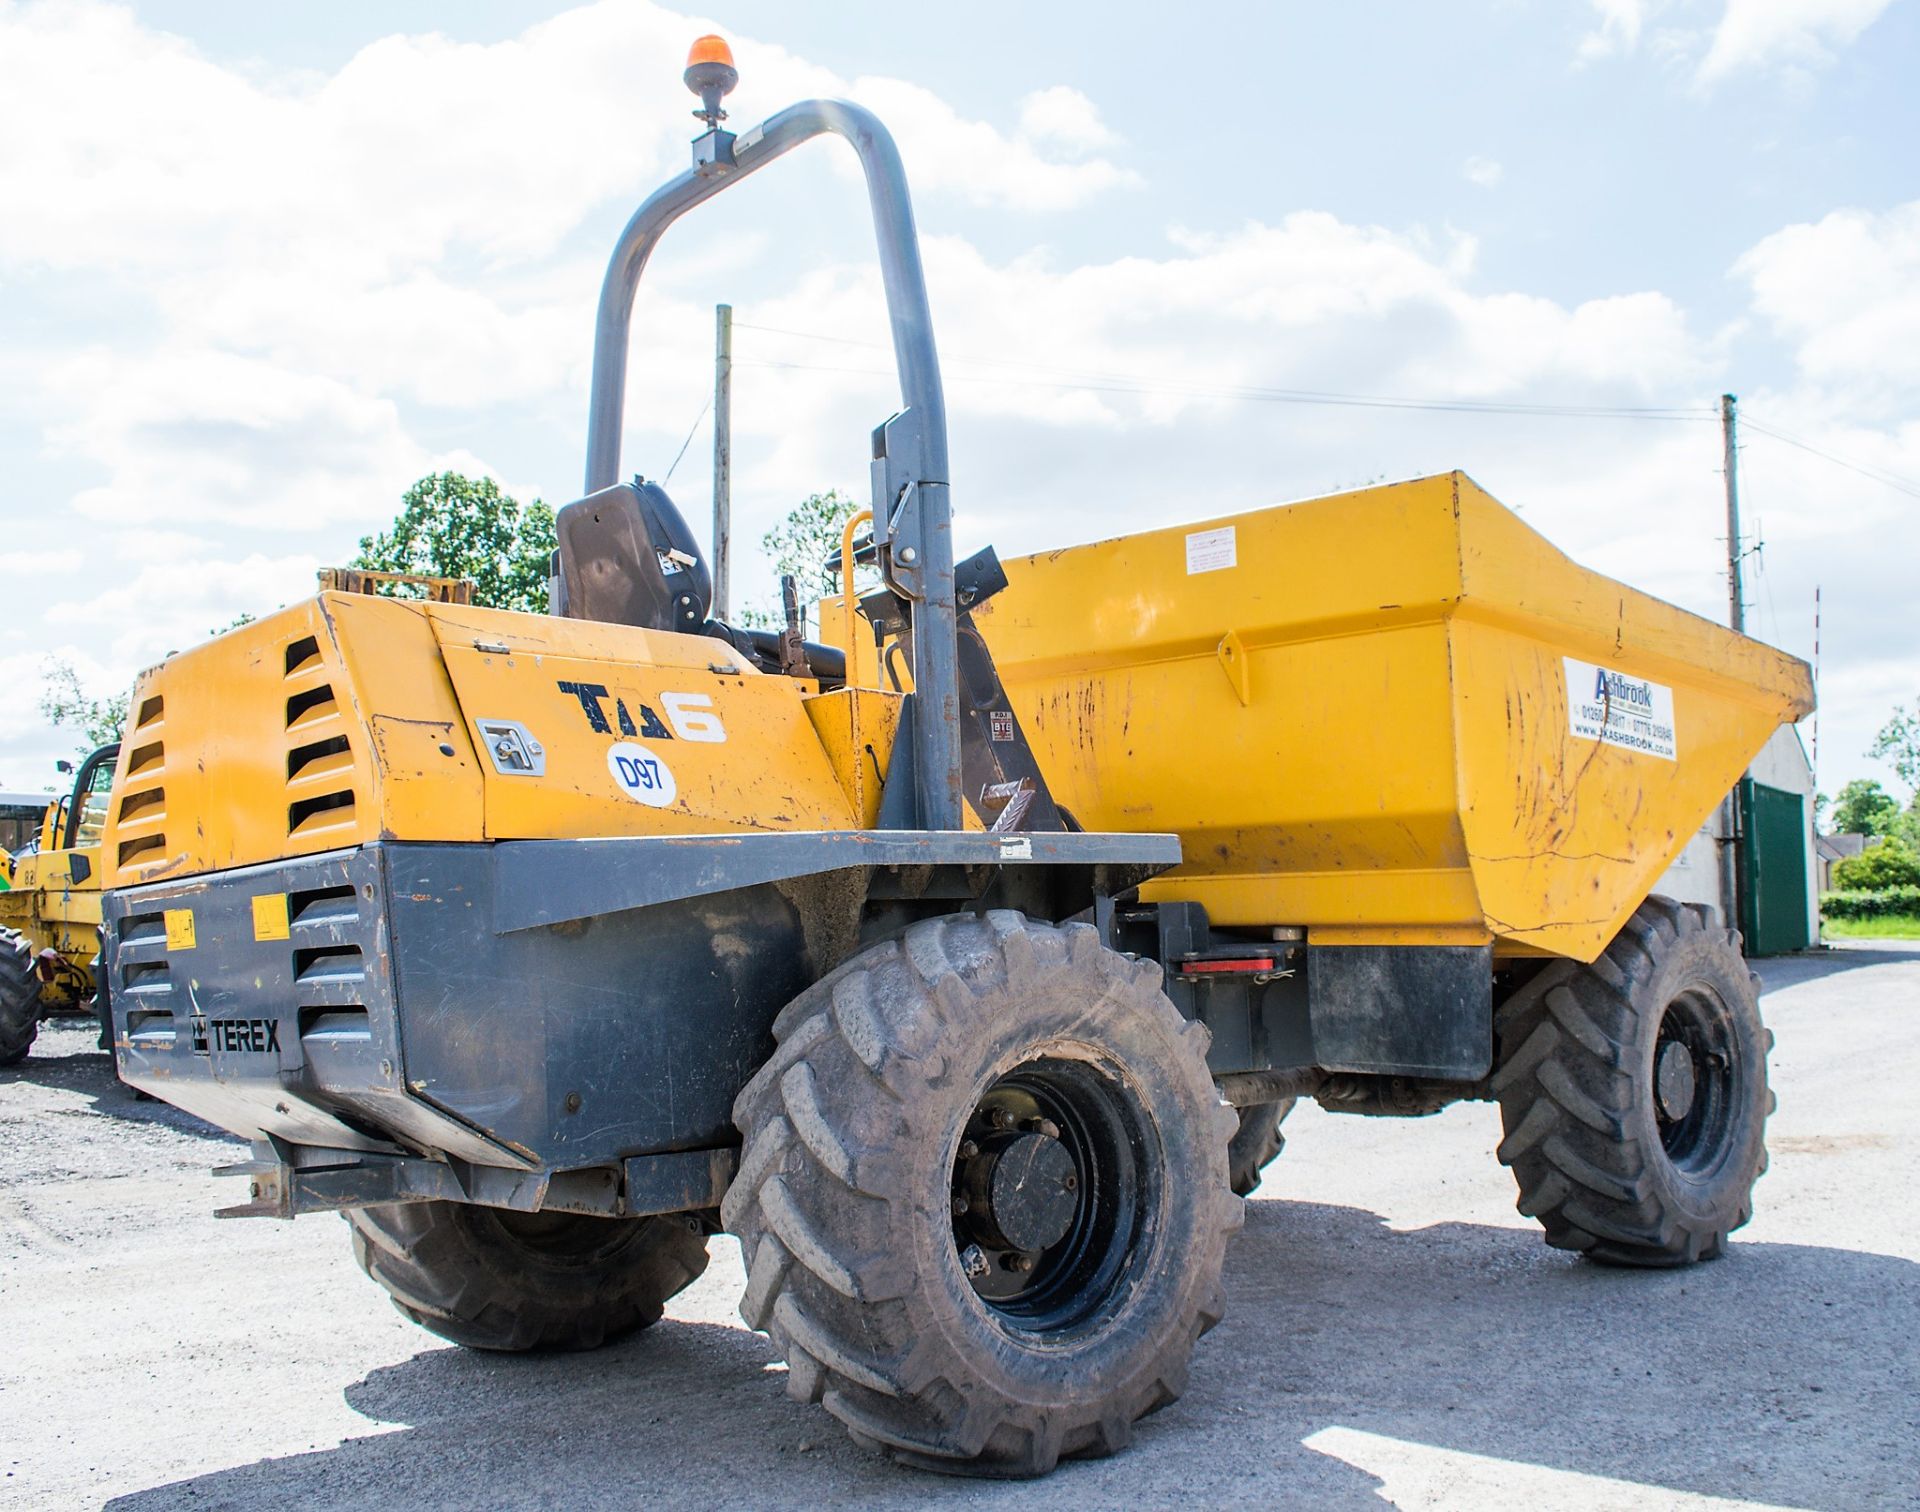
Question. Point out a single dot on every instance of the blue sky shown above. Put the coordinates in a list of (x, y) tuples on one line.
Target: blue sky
[(261, 266)]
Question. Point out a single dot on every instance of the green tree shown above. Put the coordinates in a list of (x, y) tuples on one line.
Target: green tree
[(1864, 808), (68, 706), (803, 544), (807, 539), (1898, 744), (452, 526), (1891, 863)]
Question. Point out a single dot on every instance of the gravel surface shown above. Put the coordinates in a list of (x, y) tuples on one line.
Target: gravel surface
[(1396, 1331)]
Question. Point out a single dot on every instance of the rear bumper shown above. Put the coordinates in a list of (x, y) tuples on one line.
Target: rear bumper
[(539, 1006), (264, 1000)]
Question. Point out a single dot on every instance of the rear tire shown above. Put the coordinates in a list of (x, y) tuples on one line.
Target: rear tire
[(103, 1006), (19, 998), (1257, 1144), (974, 1079), (1633, 1092), (489, 1278)]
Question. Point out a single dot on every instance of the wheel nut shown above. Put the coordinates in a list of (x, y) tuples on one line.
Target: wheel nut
[(1044, 1126), (1021, 1263), (1000, 1118), (959, 1204), (974, 1262), (968, 1149)]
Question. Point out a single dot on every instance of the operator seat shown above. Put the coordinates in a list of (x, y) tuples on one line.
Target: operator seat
[(626, 557)]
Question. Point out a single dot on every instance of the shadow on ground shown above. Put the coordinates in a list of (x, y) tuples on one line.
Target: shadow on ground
[(66, 1057), (1778, 972), (1783, 1373)]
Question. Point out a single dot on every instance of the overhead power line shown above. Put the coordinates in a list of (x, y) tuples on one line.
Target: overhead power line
[(1079, 380), (1887, 479), (1086, 381)]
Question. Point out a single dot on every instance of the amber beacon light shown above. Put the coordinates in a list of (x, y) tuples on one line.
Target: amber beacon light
[(711, 75)]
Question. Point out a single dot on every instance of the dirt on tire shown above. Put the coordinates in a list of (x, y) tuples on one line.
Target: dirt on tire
[(1605, 1166), (1257, 1143), (487, 1278), (846, 1208), (19, 998)]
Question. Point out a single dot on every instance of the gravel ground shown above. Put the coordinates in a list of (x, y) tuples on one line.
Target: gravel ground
[(1396, 1331)]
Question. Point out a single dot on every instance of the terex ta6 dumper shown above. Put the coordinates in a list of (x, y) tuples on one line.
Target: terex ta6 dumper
[(547, 947)]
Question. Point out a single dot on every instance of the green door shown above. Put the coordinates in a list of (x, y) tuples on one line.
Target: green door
[(1773, 869)]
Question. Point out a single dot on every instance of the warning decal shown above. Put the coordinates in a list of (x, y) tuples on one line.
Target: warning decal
[(1620, 710), (1211, 550)]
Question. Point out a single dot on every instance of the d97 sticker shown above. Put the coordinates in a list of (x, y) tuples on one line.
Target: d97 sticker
[(641, 775)]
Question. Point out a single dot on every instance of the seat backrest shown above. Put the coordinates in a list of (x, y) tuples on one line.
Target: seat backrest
[(610, 569)]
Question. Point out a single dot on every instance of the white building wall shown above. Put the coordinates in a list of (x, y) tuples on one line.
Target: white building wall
[(1697, 876)]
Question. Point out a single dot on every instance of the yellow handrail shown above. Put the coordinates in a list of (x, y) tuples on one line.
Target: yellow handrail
[(846, 581)]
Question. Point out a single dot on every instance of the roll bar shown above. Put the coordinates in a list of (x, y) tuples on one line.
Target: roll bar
[(911, 506)]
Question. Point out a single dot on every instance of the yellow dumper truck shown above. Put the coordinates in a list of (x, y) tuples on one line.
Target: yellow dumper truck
[(943, 966), (50, 912)]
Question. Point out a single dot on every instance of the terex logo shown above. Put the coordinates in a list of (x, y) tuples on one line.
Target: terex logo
[(1611, 687), (257, 1036)]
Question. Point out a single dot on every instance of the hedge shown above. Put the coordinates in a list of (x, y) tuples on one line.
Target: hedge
[(1883, 903)]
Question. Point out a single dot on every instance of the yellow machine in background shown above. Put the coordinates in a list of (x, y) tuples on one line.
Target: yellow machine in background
[(50, 912)]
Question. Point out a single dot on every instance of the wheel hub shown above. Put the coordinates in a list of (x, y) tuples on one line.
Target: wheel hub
[(1048, 1194), (1021, 1191), (1674, 1080)]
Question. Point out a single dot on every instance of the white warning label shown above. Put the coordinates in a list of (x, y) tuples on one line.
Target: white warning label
[(1211, 550), (1619, 710)]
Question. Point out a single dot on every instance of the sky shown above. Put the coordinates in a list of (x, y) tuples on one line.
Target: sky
[(263, 266)]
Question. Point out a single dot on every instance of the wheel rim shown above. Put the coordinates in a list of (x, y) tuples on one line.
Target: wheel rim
[(1693, 1077), (1051, 1189)]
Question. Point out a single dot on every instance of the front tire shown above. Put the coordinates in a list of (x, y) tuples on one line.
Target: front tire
[(983, 1199), (1257, 1144), (19, 998), (1633, 1092), (489, 1278)]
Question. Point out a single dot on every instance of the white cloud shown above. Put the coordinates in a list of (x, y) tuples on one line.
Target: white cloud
[(1759, 34), (1065, 118), (1845, 291), (1483, 171), (1787, 36), (1618, 31), (334, 280), (984, 165)]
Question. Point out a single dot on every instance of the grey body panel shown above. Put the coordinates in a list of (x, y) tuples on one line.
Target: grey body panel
[(549, 1006), (541, 882)]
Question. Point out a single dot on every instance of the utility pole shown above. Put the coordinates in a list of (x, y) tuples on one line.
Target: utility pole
[(1731, 839), (723, 457), (1736, 595), (1814, 760)]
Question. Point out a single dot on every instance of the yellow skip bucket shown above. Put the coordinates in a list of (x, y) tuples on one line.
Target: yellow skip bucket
[(1396, 716)]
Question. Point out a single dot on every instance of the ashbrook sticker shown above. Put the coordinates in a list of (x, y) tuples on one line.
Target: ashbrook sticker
[(642, 775), (1619, 710)]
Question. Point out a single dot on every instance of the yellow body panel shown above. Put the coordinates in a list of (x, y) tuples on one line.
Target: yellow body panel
[(56, 913), (351, 718), (856, 727), (1362, 723)]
